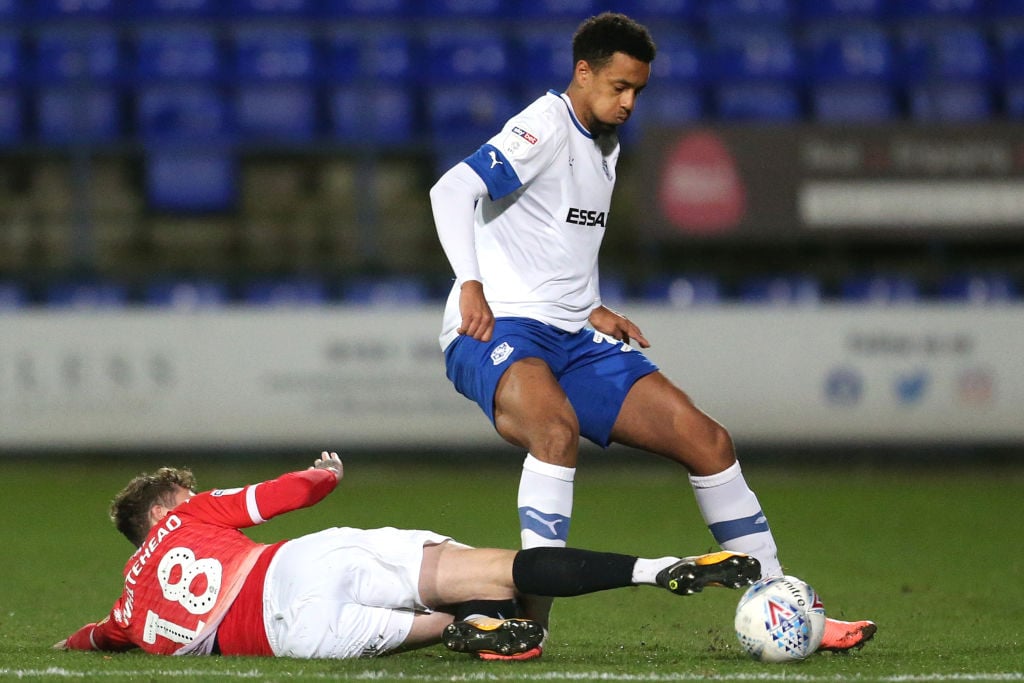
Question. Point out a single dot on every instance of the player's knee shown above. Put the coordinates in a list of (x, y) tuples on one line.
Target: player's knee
[(705, 447), (716, 448), (556, 441)]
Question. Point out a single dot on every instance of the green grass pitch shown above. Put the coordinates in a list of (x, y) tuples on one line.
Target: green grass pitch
[(933, 553)]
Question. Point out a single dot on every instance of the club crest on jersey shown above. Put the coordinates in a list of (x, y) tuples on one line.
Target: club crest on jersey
[(585, 217)]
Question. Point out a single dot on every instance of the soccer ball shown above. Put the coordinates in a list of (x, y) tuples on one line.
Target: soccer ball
[(780, 620)]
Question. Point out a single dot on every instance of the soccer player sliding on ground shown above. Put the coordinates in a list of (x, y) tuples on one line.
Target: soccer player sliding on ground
[(198, 585)]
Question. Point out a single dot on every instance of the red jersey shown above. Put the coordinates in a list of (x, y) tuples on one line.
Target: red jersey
[(180, 583)]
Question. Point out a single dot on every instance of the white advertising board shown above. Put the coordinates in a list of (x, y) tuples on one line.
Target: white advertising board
[(237, 378)]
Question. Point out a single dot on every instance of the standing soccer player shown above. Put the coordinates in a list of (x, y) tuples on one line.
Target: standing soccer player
[(525, 334)]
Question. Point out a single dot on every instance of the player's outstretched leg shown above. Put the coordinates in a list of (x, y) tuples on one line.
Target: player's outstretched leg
[(691, 574), (495, 639), (843, 636)]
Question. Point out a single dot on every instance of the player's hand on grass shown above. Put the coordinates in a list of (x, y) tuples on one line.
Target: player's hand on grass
[(477, 317), (330, 461), (607, 321), (61, 644)]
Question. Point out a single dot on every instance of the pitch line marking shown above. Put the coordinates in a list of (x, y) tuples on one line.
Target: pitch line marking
[(60, 672)]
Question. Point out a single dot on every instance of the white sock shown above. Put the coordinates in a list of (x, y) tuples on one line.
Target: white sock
[(545, 503), (734, 516), (645, 571)]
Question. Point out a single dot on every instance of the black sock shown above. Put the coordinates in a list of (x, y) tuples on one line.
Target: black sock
[(499, 609), (563, 572)]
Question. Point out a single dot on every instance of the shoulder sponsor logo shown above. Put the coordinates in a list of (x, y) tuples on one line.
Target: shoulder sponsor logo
[(501, 353), (586, 217), (524, 134)]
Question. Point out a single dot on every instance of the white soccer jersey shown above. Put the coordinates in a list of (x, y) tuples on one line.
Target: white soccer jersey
[(539, 227)]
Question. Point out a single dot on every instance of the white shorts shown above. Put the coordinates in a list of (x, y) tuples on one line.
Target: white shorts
[(343, 593)]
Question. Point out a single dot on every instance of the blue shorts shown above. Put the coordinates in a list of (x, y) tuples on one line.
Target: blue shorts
[(594, 370)]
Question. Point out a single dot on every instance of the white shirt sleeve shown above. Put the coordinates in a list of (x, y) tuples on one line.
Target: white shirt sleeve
[(453, 201)]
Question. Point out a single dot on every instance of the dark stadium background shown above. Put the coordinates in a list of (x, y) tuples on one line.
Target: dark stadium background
[(276, 154)]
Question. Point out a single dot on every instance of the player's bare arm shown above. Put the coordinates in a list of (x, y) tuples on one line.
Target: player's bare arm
[(614, 324), (477, 317)]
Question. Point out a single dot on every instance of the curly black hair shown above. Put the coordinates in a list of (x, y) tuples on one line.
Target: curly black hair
[(601, 36)]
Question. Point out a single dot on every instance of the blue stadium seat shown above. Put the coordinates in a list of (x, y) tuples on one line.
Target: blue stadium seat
[(681, 59), (89, 55), (175, 9), (555, 9), (678, 97), (78, 99), (468, 113), (757, 12), (781, 290), (297, 292), (395, 291), (755, 55), (276, 113), (273, 9), (852, 76), (469, 9), (379, 115), (683, 291), (377, 57), (269, 54), (755, 73), (12, 296), (1006, 9), (186, 180), (342, 59), (181, 112), (61, 9), (186, 294), (12, 53), (854, 103), (938, 9), (185, 53), (842, 10), (368, 9), (956, 52), (669, 106), (858, 55), (12, 116), (979, 288), (481, 55), (659, 12), (1011, 73), (950, 103), (72, 114), (12, 10), (880, 289), (949, 74), (275, 98), (765, 102), (86, 294), (545, 58)]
